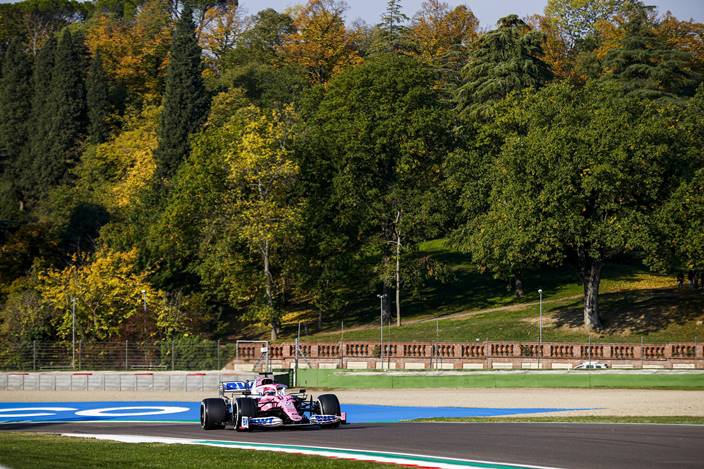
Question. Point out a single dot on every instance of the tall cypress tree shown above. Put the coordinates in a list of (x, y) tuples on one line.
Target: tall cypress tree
[(66, 108), (15, 104), (15, 109), (185, 99), (98, 99), (26, 179)]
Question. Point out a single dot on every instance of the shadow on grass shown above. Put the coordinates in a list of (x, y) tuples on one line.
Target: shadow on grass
[(641, 313), (467, 290)]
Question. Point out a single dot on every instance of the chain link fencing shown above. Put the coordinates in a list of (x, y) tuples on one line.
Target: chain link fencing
[(185, 354)]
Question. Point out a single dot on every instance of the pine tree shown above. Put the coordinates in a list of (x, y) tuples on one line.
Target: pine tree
[(391, 28), (185, 99), (15, 109), (647, 65), (66, 113), (26, 179), (507, 59), (15, 104), (98, 99)]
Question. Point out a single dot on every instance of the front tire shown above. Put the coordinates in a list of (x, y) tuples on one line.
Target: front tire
[(212, 414), (244, 407), (329, 405)]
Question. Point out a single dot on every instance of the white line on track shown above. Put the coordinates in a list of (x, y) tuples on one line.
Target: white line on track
[(404, 459)]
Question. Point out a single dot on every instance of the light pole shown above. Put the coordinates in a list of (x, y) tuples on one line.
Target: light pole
[(73, 333), (381, 327), (540, 292), (144, 300)]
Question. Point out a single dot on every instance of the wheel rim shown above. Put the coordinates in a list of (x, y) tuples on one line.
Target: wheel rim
[(202, 416)]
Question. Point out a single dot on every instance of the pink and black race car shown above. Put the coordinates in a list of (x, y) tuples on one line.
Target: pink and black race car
[(246, 405)]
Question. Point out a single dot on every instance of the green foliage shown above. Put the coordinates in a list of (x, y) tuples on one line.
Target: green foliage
[(98, 101), (254, 64), (577, 19), (576, 180), (329, 156), (65, 110), (379, 136), (505, 60), (15, 109), (186, 101), (15, 104), (28, 180), (646, 65)]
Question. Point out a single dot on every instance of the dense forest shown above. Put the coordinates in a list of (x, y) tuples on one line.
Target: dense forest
[(172, 168)]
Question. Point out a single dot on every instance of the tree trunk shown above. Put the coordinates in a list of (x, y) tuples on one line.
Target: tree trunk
[(268, 287), (519, 288), (591, 277), (398, 270)]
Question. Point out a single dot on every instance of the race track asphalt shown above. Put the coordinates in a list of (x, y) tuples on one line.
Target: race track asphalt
[(557, 445)]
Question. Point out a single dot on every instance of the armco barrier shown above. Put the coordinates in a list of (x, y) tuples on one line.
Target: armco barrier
[(487, 355)]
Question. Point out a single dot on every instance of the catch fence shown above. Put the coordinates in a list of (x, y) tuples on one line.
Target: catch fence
[(167, 355)]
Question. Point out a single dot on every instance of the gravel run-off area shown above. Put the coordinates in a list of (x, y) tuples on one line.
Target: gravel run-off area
[(601, 402)]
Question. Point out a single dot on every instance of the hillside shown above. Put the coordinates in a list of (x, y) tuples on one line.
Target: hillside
[(634, 302)]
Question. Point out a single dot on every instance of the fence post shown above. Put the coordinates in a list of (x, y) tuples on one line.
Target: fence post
[(173, 357), (126, 355), (80, 352), (218, 352), (34, 355)]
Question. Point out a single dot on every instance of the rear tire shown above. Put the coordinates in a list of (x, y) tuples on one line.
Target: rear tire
[(244, 407), (329, 405), (212, 414)]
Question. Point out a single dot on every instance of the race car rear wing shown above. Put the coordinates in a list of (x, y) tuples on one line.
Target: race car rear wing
[(236, 387)]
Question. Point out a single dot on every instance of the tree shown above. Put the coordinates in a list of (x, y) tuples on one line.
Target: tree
[(676, 242), (185, 99), (443, 37), (505, 60), (262, 175), (39, 20), (15, 109), (134, 49), (577, 180), (647, 65), (27, 179), (381, 134), (109, 300), (392, 25), (255, 64), (98, 101), (321, 44), (66, 114), (578, 19), (221, 27), (679, 245)]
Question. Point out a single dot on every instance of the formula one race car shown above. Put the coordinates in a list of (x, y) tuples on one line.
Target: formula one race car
[(246, 405)]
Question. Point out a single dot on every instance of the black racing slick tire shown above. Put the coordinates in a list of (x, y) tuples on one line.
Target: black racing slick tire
[(212, 414), (244, 407), (329, 405)]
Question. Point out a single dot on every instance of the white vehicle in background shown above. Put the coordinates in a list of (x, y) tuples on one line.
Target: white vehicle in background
[(591, 366)]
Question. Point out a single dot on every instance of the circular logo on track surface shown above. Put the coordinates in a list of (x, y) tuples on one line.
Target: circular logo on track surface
[(133, 411)]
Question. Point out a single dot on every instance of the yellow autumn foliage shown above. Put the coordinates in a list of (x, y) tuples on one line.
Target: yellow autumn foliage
[(108, 289)]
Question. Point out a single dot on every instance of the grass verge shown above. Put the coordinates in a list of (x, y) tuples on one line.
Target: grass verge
[(320, 378), (27, 450), (669, 420)]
